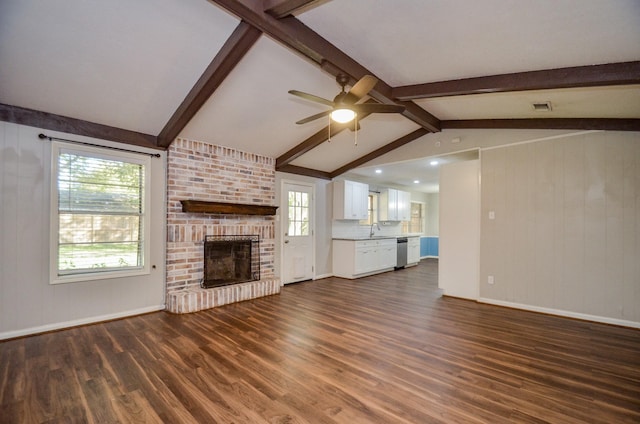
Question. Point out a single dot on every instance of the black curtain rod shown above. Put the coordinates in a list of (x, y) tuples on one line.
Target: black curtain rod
[(42, 136)]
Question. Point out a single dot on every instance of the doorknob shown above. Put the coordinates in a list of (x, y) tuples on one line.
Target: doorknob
[(286, 241)]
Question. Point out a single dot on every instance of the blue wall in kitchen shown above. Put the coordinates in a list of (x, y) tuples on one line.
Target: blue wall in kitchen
[(428, 247)]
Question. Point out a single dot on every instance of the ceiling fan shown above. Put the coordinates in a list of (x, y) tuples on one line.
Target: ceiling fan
[(344, 106)]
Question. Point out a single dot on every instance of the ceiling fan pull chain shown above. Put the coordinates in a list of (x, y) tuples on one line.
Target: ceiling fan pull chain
[(329, 128), (356, 131)]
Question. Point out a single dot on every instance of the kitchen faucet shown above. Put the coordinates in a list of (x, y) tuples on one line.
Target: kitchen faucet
[(371, 231)]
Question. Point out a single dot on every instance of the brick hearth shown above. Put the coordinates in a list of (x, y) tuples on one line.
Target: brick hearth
[(203, 171), (198, 299)]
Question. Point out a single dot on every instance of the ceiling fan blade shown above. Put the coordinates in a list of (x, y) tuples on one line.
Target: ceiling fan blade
[(313, 117), (363, 86), (311, 97), (378, 108)]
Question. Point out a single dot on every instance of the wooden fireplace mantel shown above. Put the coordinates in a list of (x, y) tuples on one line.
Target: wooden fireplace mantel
[(201, 206)]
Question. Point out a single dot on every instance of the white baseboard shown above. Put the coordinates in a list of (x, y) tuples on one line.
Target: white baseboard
[(562, 313), (321, 276), (77, 322)]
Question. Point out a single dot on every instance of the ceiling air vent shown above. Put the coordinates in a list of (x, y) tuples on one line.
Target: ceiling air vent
[(542, 107)]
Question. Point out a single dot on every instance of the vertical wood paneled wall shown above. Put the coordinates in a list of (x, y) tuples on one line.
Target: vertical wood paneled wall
[(566, 233)]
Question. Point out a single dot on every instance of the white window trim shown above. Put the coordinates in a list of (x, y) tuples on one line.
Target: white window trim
[(102, 153)]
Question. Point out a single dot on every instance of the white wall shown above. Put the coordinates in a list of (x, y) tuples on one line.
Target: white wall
[(459, 229), (432, 228), (566, 234), (28, 303), (323, 210)]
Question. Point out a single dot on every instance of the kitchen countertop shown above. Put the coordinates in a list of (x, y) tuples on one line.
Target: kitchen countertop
[(366, 238), (374, 237)]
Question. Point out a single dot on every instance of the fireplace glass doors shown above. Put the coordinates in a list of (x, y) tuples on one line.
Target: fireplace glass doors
[(230, 260)]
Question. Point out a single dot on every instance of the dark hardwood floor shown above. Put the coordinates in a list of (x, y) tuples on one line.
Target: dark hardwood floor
[(382, 349)]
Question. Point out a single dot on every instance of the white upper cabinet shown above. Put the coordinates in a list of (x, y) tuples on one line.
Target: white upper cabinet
[(404, 206), (350, 200), (388, 205), (395, 205)]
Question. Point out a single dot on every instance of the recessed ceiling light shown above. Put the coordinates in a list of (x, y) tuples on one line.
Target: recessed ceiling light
[(378, 171), (433, 162), (416, 181)]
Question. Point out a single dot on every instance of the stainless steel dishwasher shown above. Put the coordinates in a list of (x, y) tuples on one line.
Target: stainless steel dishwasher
[(402, 252)]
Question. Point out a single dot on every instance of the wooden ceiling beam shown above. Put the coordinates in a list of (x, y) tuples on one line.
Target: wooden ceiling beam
[(381, 151), (603, 124), (231, 53), (335, 61), (293, 34), (299, 170), (382, 92), (309, 144), (610, 74), (50, 121), (281, 8)]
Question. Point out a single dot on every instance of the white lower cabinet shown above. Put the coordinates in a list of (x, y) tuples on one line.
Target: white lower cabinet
[(413, 250), (357, 258), (387, 254)]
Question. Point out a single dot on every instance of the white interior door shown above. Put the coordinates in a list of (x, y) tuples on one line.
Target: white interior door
[(297, 252)]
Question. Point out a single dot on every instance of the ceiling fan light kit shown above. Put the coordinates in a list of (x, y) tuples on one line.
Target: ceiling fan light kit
[(343, 115), (345, 106)]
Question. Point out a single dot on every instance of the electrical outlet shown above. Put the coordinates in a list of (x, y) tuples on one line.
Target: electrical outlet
[(490, 279)]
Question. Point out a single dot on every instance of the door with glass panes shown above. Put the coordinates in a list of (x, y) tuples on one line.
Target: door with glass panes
[(298, 233)]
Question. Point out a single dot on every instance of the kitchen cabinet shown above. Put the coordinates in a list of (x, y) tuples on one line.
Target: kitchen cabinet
[(404, 206), (365, 257), (395, 205), (388, 205), (413, 250), (350, 200), (387, 254), (357, 258)]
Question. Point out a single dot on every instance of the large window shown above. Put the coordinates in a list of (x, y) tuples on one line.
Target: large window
[(416, 225), (100, 221)]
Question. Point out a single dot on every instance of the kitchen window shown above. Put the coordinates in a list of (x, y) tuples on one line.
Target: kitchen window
[(372, 209), (416, 224), (100, 220)]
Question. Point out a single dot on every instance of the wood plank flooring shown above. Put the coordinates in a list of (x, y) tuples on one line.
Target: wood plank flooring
[(382, 349)]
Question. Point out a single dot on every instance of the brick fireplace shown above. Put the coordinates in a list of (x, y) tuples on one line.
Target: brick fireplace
[(199, 171)]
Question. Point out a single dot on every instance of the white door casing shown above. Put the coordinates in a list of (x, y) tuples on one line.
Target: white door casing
[(298, 232)]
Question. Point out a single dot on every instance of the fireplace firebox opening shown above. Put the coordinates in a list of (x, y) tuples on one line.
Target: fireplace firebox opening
[(230, 260)]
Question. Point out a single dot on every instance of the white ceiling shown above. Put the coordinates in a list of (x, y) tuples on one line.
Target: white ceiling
[(130, 64), (596, 102), (122, 63), (417, 41), (421, 175)]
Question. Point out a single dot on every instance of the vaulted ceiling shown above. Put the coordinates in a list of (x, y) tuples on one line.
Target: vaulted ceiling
[(147, 71)]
